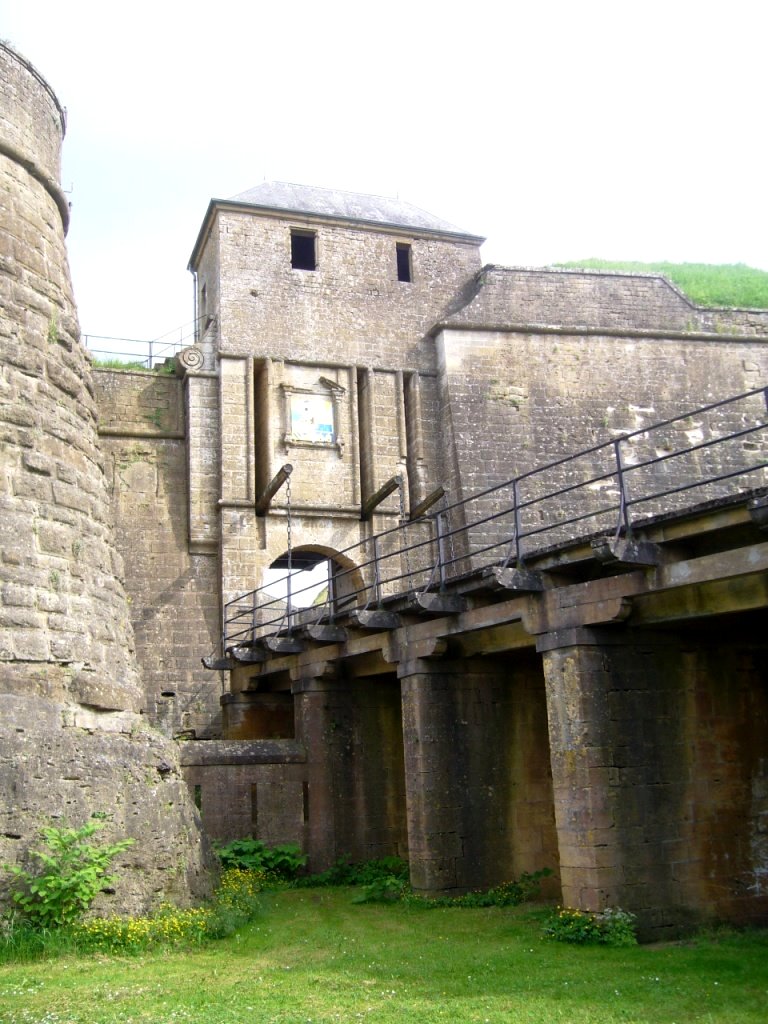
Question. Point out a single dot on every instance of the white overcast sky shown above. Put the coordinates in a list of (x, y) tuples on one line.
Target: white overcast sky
[(559, 130)]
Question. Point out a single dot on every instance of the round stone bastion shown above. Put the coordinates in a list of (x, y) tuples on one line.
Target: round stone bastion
[(73, 740)]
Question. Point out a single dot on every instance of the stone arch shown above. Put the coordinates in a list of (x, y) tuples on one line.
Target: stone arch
[(334, 578)]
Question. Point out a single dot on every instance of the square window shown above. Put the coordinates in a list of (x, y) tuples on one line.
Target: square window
[(303, 256)]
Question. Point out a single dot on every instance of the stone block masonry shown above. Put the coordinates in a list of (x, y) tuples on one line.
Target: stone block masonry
[(165, 534), (72, 740), (456, 380)]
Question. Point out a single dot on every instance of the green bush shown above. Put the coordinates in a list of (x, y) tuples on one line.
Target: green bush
[(609, 927), (344, 872), (508, 894), (233, 905), (385, 880), (386, 889), (71, 873), (283, 861)]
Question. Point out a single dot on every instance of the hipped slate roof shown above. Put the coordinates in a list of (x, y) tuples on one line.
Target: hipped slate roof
[(352, 206)]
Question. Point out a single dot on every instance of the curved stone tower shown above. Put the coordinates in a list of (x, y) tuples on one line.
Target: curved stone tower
[(72, 740)]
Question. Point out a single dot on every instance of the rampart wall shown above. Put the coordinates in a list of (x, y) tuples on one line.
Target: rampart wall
[(608, 300), (517, 397), (172, 581)]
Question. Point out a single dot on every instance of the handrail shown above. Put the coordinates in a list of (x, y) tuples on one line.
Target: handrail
[(140, 350), (618, 485)]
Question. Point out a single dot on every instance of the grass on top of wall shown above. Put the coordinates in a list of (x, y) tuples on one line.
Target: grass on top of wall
[(314, 956), (735, 284)]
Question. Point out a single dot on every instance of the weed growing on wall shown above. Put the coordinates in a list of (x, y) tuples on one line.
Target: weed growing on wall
[(71, 872)]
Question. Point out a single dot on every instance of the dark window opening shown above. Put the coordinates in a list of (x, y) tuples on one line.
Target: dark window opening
[(198, 797), (403, 252), (303, 255)]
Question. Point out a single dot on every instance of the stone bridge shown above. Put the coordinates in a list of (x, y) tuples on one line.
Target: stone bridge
[(518, 698)]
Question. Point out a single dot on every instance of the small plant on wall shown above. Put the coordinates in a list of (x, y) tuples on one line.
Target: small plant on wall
[(71, 872)]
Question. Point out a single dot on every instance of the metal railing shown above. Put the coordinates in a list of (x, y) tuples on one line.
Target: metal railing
[(134, 351), (716, 451)]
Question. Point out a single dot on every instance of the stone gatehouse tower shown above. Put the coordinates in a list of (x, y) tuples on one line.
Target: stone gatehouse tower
[(315, 307), (311, 305)]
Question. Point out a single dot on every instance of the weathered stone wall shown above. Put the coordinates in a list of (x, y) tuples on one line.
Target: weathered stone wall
[(610, 354), (479, 789), (32, 125), (351, 730), (71, 739), (330, 480), (249, 788), (351, 308), (513, 401), (342, 333), (722, 860), (172, 578), (595, 299), (657, 750)]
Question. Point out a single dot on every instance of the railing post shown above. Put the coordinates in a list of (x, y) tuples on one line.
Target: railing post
[(440, 526), (518, 524), (624, 519), (331, 600), (514, 545), (376, 578)]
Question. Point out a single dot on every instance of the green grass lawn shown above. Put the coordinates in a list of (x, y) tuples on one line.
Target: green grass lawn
[(313, 956)]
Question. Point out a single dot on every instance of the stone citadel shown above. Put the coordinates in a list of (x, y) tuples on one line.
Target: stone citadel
[(361, 341)]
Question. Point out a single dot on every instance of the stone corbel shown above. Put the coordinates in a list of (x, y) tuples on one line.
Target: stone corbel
[(622, 551), (540, 617), (758, 512), (319, 675), (417, 651)]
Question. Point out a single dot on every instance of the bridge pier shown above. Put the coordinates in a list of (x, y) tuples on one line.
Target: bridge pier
[(660, 790), (479, 796), (355, 797)]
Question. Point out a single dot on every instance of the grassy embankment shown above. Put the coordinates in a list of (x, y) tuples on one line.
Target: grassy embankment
[(705, 285), (313, 956)]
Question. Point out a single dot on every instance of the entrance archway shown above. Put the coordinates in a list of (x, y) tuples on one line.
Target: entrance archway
[(315, 577)]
